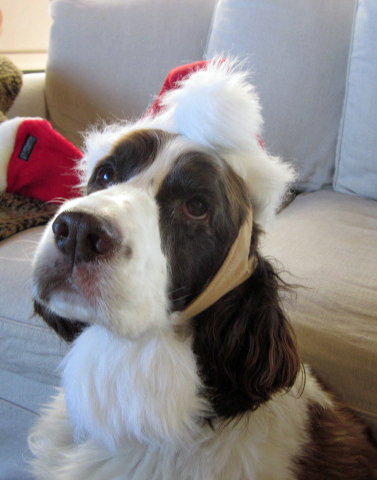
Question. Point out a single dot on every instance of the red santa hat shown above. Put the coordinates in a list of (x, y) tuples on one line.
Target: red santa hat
[(36, 161)]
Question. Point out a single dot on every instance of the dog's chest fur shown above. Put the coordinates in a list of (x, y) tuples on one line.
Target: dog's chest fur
[(145, 389), (136, 409)]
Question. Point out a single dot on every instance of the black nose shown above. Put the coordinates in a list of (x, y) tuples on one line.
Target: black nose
[(84, 237)]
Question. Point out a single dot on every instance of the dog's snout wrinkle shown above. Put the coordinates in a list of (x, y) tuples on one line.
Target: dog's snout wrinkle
[(84, 237)]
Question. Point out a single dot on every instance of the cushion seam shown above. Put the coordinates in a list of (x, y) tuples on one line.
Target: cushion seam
[(2, 399), (338, 154)]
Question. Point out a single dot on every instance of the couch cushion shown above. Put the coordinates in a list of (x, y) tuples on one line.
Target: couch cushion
[(30, 354), (16, 254), (15, 422), (356, 162), (327, 242), (298, 51), (109, 59), (31, 100), (28, 347)]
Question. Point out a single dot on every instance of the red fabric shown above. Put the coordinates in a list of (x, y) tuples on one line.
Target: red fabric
[(46, 171), (174, 76)]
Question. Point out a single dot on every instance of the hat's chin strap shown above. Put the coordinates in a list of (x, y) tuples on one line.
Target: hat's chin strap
[(236, 268)]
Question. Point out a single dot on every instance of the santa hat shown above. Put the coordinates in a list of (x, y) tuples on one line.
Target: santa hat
[(214, 104), (36, 161)]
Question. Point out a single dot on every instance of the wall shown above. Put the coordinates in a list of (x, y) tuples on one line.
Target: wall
[(25, 32)]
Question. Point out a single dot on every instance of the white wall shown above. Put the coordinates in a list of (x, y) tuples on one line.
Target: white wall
[(25, 32)]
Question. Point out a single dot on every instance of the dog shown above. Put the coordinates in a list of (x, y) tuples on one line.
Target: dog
[(183, 364)]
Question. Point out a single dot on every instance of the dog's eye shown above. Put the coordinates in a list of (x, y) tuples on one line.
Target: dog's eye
[(105, 176), (195, 209)]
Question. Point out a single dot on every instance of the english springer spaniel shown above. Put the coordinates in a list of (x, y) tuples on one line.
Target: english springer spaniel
[(183, 364)]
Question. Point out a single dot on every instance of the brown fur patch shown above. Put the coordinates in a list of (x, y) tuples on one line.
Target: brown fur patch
[(133, 153), (339, 449), (196, 249), (144, 142)]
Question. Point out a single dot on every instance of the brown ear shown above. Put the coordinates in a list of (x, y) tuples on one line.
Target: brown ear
[(245, 346)]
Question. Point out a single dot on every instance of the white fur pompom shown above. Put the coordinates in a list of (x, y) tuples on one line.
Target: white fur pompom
[(216, 106)]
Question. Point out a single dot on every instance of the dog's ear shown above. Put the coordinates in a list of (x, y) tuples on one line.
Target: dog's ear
[(245, 346), (66, 329)]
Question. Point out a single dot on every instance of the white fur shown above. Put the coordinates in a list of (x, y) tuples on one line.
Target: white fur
[(135, 407), (145, 389)]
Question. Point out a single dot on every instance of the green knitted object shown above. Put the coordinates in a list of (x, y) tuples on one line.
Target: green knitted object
[(10, 85)]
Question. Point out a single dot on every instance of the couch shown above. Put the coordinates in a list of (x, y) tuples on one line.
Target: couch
[(314, 65)]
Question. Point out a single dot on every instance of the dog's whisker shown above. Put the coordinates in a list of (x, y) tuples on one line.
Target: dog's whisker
[(178, 299), (177, 290), (16, 259), (32, 242)]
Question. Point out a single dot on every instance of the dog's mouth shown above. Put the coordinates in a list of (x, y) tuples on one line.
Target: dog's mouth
[(64, 299), (67, 295), (63, 285), (65, 328)]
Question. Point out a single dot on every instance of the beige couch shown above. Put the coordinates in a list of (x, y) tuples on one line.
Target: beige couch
[(315, 68)]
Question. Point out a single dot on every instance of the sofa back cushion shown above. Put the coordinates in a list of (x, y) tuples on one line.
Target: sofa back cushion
[(108, 59), (297, 51), (356, 161)]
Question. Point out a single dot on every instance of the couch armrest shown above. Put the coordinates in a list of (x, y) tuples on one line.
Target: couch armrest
[(30, 102)]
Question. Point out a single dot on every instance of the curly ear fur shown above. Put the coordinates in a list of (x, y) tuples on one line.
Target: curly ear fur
[(245, 346)]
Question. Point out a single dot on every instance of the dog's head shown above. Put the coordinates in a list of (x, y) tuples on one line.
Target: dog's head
[(165, 199)]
